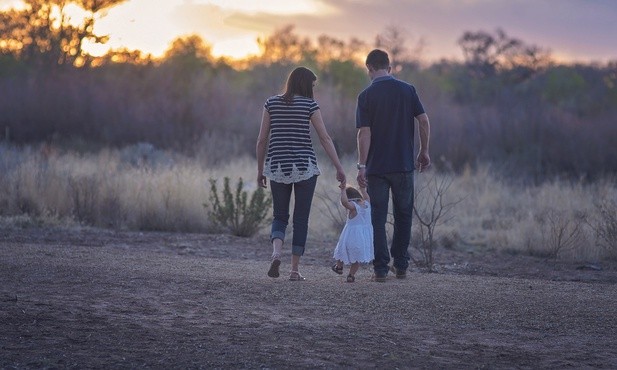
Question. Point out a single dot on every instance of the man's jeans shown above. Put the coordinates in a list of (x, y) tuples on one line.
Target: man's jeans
[(379, 188), (303, 196)]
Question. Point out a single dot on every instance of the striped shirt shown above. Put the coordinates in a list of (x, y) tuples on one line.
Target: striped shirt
[(290, 156)]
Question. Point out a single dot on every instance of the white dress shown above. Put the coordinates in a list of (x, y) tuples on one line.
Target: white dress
[(356, 241)]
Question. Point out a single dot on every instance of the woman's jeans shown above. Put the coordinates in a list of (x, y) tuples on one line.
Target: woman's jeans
[(281, 197), (379, 188)]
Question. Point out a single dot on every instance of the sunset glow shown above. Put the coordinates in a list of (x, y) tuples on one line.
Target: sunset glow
[(236, 48), (272, 6), (138, 25), (11, 4), (580, 31)]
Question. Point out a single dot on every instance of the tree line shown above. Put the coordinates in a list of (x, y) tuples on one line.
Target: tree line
[(507, 103)]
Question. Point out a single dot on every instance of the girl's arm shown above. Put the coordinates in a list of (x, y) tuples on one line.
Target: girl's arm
[(364, 194), (344, 201)]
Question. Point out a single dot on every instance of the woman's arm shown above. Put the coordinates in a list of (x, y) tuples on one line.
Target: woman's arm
[(328, 145), (260, 148)]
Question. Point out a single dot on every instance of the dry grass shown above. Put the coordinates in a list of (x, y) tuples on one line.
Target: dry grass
[(140, 188)]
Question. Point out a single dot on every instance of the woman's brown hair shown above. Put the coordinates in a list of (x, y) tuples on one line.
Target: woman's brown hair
[(299, 82)]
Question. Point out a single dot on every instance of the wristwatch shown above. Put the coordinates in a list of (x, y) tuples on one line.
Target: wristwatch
[(360, 166)]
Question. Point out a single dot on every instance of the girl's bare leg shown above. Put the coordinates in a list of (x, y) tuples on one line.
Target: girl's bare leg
[(354, 268)]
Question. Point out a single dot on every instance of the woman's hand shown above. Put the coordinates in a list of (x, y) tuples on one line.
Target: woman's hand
[(340, 177), (262, 180)]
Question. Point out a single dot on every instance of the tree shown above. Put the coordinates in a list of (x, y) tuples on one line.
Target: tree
[(284, 46), (189, 53), (42, 32), (394, 41), (486, 54), (329, 48), (123, 56)]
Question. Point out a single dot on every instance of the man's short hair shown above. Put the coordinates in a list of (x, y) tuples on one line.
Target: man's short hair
[(378, 59)]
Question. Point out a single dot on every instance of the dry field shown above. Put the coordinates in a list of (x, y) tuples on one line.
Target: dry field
[(142, 188)]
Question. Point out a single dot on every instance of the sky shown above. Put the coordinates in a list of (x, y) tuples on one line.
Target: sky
[(573, 30)]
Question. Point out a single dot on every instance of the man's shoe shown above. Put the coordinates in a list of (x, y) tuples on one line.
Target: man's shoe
[(379, 278), (401, 274)]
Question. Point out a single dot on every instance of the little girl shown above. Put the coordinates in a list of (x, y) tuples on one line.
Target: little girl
[(355, 245)]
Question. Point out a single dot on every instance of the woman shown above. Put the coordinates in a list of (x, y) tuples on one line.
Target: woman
[(290, 162)]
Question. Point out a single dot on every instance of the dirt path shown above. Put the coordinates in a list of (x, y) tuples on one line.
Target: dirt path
[(99, 299)]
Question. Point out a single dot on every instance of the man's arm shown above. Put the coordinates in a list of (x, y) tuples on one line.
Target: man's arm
[(423, 160), (364, 143)]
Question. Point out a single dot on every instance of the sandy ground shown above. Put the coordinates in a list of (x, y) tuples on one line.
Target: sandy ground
[(84, 298)]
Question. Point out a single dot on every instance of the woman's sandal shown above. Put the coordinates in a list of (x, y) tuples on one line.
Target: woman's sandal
[(295, 276), (274, 267), (338, 269), (351, 278)]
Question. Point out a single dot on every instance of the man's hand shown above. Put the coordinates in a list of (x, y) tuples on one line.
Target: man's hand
[(362, 182), (423, 162)]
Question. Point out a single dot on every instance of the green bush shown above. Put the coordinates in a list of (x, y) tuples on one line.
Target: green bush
[(234, 214)]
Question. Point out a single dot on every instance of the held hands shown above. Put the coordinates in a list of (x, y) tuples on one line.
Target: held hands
[(361, 178), (341, 178)]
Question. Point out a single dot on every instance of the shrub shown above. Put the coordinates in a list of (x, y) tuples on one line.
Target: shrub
[(605, 227), (559, 232), (332, 210), (233, 213), (431, 209)]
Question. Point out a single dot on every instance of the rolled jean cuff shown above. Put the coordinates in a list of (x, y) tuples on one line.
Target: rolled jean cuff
[(277, 235), (297, 250)]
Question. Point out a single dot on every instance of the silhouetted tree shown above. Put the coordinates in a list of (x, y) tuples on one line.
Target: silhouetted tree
[(284, 46), (42, 32), (486, 54), (395, 41), (123, 56)]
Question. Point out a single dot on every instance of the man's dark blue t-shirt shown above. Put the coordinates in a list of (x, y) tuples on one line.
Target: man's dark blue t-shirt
[(388, 106)]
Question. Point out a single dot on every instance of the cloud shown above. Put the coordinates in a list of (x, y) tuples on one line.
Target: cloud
[(7, 4), (581, 29), (206, 19)]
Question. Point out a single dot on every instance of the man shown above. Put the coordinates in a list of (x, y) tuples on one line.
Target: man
[(385, 120)]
